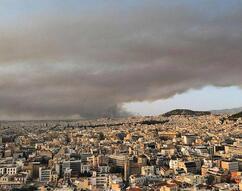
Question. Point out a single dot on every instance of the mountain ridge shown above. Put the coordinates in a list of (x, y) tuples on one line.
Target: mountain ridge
[(227, 111)]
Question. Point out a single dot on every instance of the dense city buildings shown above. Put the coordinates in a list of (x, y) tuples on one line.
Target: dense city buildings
[(179, 151)]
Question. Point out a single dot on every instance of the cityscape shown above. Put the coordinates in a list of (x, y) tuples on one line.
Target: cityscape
[(179, 150), (120, 95)]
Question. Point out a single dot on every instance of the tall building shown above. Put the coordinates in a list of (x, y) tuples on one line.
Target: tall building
[(44, 175), (75, 167)]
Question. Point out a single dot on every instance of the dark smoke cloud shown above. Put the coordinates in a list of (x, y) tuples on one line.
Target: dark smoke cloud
[(88, 65)]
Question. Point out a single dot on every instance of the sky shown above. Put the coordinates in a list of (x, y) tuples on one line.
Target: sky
[(105, 58), (208, 98)]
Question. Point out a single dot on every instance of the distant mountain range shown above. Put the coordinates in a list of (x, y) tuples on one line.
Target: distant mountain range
[(227, 111)]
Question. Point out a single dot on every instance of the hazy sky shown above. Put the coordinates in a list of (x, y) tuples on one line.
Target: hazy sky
[(98, 58)]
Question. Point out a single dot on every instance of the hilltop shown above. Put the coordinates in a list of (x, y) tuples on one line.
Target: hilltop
[(186, 112)]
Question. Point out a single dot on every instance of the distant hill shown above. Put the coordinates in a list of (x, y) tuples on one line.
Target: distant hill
[(235, 116), (227, 111), (186, 112)]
